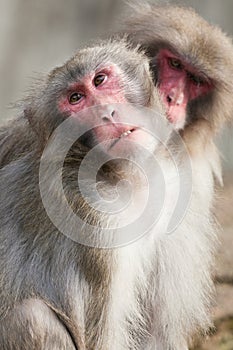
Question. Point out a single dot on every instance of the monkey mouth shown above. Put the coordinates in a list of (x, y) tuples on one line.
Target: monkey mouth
[(123, 135), (127, 133)]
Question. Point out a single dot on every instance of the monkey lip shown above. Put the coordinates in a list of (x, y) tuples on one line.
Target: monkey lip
[(124, 134)]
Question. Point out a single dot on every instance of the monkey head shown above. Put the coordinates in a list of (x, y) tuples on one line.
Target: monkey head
[(191, 62), (106, 76)]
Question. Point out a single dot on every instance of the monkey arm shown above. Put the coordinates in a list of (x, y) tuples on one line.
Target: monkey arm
[(37, 327)]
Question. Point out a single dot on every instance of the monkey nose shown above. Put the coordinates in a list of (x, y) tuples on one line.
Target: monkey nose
[(109, 116), (175, 97)]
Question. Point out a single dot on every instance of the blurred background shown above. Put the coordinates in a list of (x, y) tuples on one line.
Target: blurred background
[(35, 36)]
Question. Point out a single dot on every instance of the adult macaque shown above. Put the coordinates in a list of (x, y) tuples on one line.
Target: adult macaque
[(192, 66), (54, 292), (154, 293)]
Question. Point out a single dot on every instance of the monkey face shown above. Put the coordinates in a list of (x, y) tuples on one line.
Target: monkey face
[(179, 83), (96, 88)]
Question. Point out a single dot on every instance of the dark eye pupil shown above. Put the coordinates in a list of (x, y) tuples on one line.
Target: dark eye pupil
[(75, 97), (195, 79), (174, 63), (99, 79)]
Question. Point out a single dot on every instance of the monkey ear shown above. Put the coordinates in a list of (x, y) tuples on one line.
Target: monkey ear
[(36, 126), (30, 117)]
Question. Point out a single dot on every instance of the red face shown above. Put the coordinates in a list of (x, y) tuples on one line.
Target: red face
[(101, 88), (179, 83)]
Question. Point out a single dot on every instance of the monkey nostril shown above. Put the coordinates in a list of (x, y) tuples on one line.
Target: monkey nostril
[(105, 119), (109, 117), (169, 99)]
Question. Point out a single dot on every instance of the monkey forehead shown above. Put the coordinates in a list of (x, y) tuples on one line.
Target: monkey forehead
[(185, 33), (88, 60)]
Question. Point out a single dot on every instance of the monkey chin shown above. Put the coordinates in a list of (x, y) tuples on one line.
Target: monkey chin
[(124, 157)]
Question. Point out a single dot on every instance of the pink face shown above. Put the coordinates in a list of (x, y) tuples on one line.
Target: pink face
[(179, 83), (100, 88), (97, 88)]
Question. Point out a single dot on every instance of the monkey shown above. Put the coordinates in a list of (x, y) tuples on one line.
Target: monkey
[(69, 296), (191, 63), (55, 292)]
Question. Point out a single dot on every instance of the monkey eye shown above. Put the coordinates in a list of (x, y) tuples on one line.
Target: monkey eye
[(175, 63), (99, 79), (195, 79), (75, 98)]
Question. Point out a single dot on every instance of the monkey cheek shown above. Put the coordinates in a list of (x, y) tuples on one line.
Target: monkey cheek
[(143, 139)]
